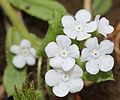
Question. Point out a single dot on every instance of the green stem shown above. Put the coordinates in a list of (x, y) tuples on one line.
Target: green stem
[(14, 19), (16, 22), (39, 73)]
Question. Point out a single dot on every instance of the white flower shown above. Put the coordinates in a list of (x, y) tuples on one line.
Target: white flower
[(62, 53), (63, 82), (97, 56), (25, 54), (80, 26), (103, 26)]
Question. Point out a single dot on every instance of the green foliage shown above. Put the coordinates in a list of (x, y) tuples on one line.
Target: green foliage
[(101, 6), (49, 10), (100, 77), (39, 95), (28, 92), (42, 9), (12, 76), (55, 28)]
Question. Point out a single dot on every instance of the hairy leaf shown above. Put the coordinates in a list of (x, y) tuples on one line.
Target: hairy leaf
[(28, 92), (42, 9), (101, 6)]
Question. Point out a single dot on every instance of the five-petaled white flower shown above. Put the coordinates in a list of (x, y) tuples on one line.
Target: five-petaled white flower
[(80, 26), (97, 55), (62, 53), (103, 26), (25, 54), (63, 82)]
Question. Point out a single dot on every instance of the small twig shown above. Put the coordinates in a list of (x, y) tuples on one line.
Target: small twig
[(87, 5), (39, 73), (115, 37), (117, 47)]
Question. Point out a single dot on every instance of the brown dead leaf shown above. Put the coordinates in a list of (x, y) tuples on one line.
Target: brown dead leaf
[(115, 37)]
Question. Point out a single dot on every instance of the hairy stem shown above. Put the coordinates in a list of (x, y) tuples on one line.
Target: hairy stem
[(39, 73)]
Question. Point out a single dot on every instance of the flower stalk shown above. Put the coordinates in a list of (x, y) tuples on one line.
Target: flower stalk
[(39, 73)]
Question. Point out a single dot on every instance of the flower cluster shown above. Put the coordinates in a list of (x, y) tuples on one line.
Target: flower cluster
[(66, 75)]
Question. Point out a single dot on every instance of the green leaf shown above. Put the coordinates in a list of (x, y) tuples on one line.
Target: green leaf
[(55, 28), (101, 6), (42, 9), (12, 76), (100, 77), (39, 95), (28, 92)]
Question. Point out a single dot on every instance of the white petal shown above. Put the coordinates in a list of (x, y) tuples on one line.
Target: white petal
[(107, 30), (71, 33), (15, 49), (56, 62), (106, 63), (68, 64), (104, 21), (76, 72), (76, 85), (82, 36), (97, 18), (92, 67), (63, 40), (83, 16), (30, 60), (52, 49), (33, 52), (74, 51), (84, 54), (68, 21), (51, 78), (60, 90), (106, 47), (19, 61), (92, 43), (25, 43), (91, 27)]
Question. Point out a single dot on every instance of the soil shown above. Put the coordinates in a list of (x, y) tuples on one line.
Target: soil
[(109, 90)]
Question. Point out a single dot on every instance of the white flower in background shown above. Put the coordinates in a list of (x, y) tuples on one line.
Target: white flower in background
[(63, 82), (25, 54), (62, 53), (103, 26), (80, 26), (97, 55)]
